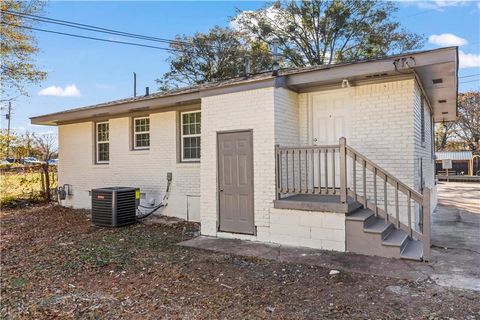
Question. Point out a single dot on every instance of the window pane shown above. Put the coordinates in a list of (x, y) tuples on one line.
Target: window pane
[(142, 140), (102, 132), (187, 153), (191, 125), (142, 125), (103, 151), (191, 148)]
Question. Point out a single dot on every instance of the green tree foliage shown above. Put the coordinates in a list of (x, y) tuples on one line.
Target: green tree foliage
[(216, 55), (18, 48), (322, 32), (17, 146)]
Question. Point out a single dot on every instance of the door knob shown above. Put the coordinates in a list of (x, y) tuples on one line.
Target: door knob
[(221, 190), (315, 140)]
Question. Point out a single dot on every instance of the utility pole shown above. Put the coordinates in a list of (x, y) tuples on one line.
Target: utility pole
[(8, 116)]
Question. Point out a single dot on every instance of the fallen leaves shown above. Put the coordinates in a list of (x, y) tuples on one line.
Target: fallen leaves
[(56, 265)]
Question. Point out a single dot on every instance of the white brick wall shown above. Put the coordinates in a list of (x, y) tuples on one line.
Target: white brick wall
[(273, 114), (423, 150), (239, 111), (313, 229), (146, 169), (385, 127), (287, 117)]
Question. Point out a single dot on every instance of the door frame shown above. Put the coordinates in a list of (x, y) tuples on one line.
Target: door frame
[(250, 131), (346, 92)]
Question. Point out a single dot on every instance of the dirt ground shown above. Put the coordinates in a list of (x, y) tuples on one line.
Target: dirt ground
[(56, 265)]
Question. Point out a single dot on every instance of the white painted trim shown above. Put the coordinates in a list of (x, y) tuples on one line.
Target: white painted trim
[(188, 136), (135, 147), (101, 142)]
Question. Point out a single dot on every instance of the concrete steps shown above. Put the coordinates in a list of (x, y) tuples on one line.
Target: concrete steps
[(372, 235)]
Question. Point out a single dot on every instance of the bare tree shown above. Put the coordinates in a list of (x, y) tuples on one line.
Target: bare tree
[(47, 148), (468, 122), (443, 133)]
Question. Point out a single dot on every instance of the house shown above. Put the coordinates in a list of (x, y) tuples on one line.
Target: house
[(337, 157)]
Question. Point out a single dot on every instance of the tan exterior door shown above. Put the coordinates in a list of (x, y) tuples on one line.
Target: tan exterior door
[(235, 182)]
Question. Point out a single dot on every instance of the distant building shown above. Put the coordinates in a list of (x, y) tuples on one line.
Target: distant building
[(462, 163)]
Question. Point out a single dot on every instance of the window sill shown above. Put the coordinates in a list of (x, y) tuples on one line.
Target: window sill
[(101, 165), (187, 164), (140, 151)]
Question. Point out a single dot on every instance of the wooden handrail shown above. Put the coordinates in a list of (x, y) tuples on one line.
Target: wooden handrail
[(383, 173), (311, 170), (283, 148)]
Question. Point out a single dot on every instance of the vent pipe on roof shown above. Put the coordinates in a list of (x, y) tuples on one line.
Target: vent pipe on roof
[(275, 65), (134, 84), (247, 66), (147, 91)]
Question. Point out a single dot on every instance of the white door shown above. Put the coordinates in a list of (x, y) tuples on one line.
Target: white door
[(330, 122)]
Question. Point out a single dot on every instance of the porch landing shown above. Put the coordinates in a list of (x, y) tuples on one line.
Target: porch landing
[(315, 202)]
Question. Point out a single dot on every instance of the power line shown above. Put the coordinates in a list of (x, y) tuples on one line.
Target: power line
[(91, 38), (93, 28), (417, 14), (469, 81), (471, 75)]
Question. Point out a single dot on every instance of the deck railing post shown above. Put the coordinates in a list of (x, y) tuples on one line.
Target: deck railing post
[(426, 223), (277, 172), (343, 169)]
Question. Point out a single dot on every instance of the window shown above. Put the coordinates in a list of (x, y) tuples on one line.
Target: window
[(422, 120), (102, 142), (141, 133), (190, 135)]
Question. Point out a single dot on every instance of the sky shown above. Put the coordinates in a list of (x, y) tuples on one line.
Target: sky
[(84, 72)]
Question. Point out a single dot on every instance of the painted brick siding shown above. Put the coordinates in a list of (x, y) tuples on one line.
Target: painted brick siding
[(385, 127), (423, 149), (146, 169), (273, 115), (253, 110), (313, 229), (381, 125), (286, 117)]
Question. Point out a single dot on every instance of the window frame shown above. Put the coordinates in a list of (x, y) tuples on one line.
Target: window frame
[(97, 143), (135, 133), (182, 136)]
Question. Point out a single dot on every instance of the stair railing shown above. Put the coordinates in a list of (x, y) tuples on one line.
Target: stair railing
[(313, 170), (413, 198)]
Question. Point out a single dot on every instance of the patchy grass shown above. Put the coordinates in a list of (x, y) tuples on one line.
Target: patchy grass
[(56, 265), (21, 187)]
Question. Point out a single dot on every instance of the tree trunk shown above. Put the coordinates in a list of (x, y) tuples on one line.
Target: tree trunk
[(47, 182)]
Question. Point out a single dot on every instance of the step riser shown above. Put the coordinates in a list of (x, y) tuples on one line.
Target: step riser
[(366, 243), (387, 231), (368, 221), (366, 235)]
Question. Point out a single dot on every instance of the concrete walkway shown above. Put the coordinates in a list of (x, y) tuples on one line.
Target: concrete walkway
[(464, 196), (455, 260), (456, 235)]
